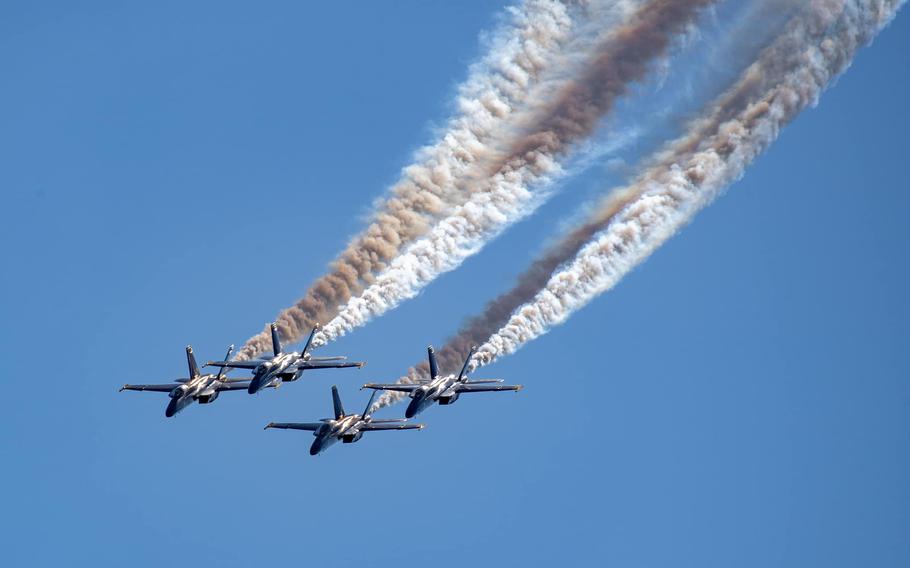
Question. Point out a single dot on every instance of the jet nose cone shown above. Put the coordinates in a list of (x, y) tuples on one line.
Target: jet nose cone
[(315, 448), (410, 411), (254, 386)]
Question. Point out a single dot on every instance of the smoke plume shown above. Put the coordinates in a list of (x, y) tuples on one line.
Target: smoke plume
[(816, 46), (621, 59), (526, 62)]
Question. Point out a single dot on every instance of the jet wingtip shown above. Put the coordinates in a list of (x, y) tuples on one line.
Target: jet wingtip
[(269, 425)]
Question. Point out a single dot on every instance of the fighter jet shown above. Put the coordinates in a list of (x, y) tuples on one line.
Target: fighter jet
[(444, 390), (198, 387), (284, 367), (345, 427)]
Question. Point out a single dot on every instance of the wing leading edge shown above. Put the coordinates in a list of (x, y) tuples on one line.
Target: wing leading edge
[(309, 426), (371, 426), (486, 388), (234, 364), (155, 388), (391, 387)]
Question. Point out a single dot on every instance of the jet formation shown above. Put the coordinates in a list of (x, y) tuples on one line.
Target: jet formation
[(283, 367)]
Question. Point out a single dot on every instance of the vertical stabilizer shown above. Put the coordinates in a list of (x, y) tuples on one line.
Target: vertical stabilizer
[(309, 341), (191, 362), (336, 402), (434, 368), (464, 369), (227, 357), (366, 411), (276, 343)]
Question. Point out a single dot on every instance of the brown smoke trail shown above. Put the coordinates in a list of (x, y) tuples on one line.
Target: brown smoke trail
[(817, 45), (521, 52), (812, 52), (623, 59)]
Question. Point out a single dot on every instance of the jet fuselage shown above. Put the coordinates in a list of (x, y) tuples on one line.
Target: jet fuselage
[(438, 390), (203, 389), (267, 374), (346, 428)]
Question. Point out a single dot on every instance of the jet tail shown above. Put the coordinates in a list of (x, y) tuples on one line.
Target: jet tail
[(464, 369), (366, 411), (191, 362), (336, 402), (227, 357), (276, 342), (309, 341), (434, 367)]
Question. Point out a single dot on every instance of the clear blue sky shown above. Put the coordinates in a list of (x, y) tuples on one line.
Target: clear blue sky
[(178, 172)]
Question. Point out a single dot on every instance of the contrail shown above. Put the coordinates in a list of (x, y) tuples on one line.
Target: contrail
[(622, 59), (814, 51), (527, 57), (816, 46)]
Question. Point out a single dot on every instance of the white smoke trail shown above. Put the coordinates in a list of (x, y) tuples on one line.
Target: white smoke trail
[(671, 199), (816, 46), (623, 57), (528, 57)]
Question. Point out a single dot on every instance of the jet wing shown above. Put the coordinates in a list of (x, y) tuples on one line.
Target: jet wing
[(389, 426), (235, 364), (391, 387), (234, 386), (310, 426), (328, 364), (156, 388), (485, 387)]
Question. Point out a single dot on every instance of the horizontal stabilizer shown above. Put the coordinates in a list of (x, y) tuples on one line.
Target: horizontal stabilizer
[(483, 381)]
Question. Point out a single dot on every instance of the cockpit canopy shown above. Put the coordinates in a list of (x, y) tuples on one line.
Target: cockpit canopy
[(179, 391)]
